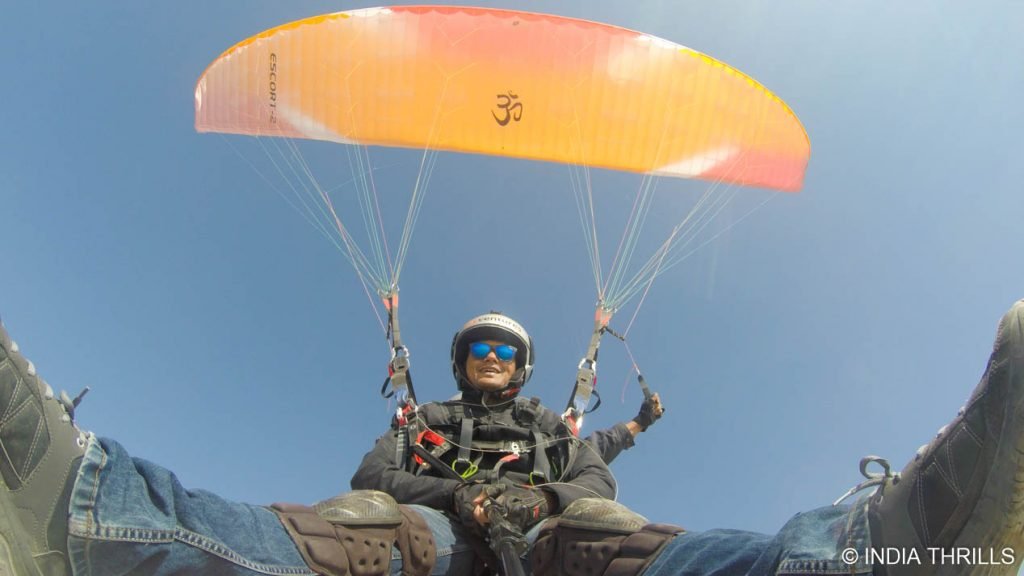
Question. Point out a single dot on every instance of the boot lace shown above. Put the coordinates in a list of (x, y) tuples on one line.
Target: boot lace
[(873, 479), (67, 403), (881, 479)]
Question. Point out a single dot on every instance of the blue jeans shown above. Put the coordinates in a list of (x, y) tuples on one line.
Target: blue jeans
[(130, 516)]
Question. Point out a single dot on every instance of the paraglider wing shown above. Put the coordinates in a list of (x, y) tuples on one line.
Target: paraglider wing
[(505, 83)]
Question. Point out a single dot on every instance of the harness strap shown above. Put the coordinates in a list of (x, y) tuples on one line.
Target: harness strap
[(418, 464), (463, 466), (530, 414), (402, 445), (413, 432), (541, 467), (398, 367), (447, 428), (586, 374)]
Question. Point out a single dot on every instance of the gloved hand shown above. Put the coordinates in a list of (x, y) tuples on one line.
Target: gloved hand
[(467, 497), (650, 411), (524, 507)]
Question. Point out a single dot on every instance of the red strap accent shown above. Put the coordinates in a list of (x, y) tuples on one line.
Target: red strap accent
[(430, 436), (573, 427), (403, 416)]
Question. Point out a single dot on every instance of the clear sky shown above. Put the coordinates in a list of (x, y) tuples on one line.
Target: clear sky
[(224, 338)]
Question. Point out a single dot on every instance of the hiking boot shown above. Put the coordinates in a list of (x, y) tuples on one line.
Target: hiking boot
[(40, 453), (960, 502)]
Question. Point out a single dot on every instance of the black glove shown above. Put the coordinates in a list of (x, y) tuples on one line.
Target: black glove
[(648, 414), (524, 507), (463, 501)]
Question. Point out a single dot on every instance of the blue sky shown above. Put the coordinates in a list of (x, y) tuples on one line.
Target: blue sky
[(225, 339)]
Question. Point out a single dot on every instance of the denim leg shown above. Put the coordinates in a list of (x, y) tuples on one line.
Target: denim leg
[(810, 543), (710, 553), (130, 516)]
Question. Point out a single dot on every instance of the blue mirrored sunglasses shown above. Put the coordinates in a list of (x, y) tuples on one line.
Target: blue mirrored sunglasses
[(504, 352)]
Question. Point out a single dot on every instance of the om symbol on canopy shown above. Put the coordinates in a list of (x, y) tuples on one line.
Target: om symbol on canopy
[(511, 108)]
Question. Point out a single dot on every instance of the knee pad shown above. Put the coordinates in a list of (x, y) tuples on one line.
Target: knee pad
[(598, 537), (352, 534)]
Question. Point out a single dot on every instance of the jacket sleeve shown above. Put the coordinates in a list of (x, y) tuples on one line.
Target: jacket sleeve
[(588, 477), (610, 442), (379, 471)]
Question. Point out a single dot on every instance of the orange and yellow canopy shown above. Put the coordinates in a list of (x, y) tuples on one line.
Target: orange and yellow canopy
[(506, 83)]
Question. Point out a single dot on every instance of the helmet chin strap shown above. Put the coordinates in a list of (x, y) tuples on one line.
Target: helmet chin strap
[(517, 378)]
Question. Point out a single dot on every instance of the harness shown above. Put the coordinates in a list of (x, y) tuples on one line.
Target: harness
[(524, 444)]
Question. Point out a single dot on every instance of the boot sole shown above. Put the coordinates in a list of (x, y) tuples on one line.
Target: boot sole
[(1002, 498)]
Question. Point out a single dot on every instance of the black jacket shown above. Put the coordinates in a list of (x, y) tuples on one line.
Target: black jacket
[(577, 468), (610, 442)]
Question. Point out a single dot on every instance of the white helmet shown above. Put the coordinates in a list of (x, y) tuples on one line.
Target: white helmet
[(493, 326)]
